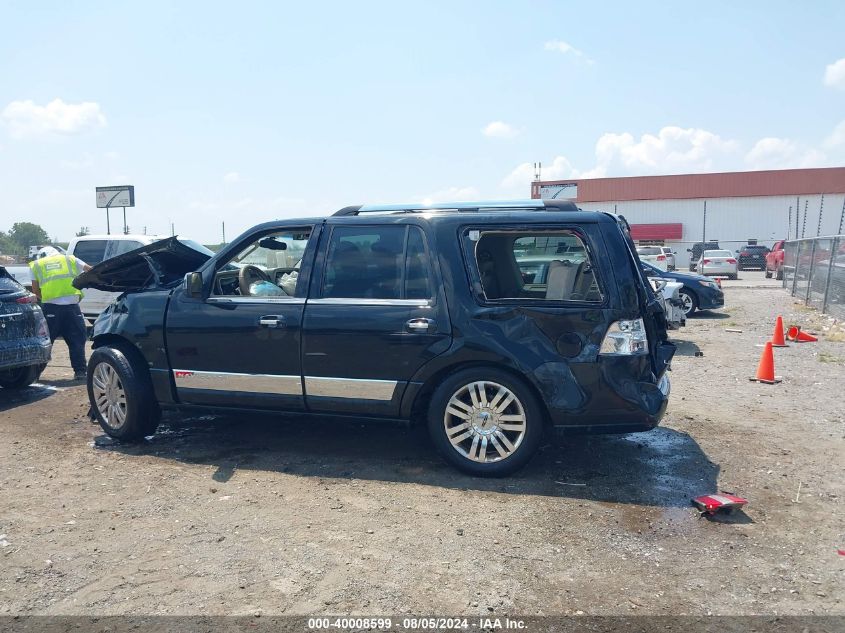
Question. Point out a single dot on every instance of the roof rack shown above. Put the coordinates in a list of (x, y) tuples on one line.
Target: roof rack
[(486, 205)]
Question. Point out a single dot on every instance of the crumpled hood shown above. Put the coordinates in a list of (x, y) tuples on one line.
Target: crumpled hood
[(156, 265)]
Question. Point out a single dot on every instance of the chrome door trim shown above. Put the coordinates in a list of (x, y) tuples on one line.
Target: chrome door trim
[(353, 388), (226, 381), (261, 300), (415, 303)]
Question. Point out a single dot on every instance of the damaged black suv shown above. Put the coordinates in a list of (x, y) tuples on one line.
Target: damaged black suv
[(487, 321)]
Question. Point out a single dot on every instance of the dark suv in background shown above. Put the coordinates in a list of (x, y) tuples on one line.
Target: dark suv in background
[(752, 256), (487, 321)]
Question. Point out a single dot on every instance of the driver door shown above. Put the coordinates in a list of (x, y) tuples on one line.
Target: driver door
[(239, 345)]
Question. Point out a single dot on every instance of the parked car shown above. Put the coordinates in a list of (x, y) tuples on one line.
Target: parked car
[(670, 257), (697, 291), (397, 314), (653, 255), (718, 262), (696, 251), (774, 260), (752, 256), (93, 249), (24, 339)]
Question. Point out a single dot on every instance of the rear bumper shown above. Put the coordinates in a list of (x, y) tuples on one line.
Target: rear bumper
[(22, 353), (613, 395)]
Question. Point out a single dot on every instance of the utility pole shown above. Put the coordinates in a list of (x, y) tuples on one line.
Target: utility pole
[(789, 224), (224, 232), (821, 209), (172, 229), (704, 226), (804, 223), (797, 214)]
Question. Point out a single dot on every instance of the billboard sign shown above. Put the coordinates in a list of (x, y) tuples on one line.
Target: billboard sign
[(120, 196), (555, 191)]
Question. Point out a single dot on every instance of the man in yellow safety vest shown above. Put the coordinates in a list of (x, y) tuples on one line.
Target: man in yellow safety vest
[(52, 277)]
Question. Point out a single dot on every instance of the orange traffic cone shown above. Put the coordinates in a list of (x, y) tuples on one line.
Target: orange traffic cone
[(766, 367), (777, 336), (803, 337), (792, 332)]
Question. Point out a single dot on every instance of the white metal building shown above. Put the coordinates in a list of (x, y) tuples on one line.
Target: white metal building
[(761, 206)]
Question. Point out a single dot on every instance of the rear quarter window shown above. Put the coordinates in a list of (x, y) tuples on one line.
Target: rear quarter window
[(90, 251), (534, 265)]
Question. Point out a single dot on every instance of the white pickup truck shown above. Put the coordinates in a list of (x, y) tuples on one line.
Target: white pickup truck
[(93, 249)]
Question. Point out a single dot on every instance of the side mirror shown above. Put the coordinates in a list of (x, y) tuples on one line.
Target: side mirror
[(193, 285), (689, 250)]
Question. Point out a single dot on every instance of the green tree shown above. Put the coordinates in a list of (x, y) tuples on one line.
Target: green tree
[(27, 234), (83, 230)]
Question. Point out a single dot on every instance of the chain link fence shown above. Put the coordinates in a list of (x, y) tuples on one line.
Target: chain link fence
[(814, 270)]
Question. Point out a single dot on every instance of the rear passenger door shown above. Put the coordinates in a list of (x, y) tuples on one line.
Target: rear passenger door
[(374, 316)]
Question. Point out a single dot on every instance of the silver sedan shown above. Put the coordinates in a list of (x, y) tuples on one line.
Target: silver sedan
[(718, 263)]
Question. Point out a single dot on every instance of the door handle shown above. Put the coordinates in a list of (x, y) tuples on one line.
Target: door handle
[(272, 320), (419, 325)]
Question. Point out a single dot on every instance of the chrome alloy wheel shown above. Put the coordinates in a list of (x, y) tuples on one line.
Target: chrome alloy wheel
[(687, 301), (109, 396), (485, 421)]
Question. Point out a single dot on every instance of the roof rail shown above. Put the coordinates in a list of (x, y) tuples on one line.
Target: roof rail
[(486, 205)]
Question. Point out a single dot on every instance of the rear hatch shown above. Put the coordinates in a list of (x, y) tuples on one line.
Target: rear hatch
[(20, 316), (157, 265), (653, 315)]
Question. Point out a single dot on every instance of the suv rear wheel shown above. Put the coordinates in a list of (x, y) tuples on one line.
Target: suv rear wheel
[(485, 422), (121, 395)]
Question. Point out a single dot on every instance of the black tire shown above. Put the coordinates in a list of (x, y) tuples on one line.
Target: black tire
[(20, 377), (732, 277), (685, 295), (523, 449), (768, 273), (141, 413), (779, 276)]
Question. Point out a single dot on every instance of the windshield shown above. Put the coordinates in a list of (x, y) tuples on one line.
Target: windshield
[(649, 250)]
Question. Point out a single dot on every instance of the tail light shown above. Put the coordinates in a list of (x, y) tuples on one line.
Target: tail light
[(731, 260), (661, 258), (28, 298), (718, 282), (706, 261), (625, 338), (743, 254)]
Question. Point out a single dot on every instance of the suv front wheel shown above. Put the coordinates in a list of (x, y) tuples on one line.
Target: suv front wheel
[(485, 422), (121, 395)]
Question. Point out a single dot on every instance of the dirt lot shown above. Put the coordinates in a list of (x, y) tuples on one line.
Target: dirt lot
[(261, 515)]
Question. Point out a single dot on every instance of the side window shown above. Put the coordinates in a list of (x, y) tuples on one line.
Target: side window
[(90, 251), (268, 266), (119, 247), (376, 262), (535, 265), (417, 275)]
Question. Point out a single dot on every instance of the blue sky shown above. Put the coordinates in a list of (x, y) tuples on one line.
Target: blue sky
[(248, 111)]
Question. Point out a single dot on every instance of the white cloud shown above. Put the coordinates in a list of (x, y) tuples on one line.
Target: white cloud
[(232, 177), (26, 119), (837, 137), (834, 74), (452, 194), (559, 46), (499, 129), (782, 153), (672, 149)]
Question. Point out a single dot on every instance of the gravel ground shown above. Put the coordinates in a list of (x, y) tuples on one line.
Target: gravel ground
[(246, 515)]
